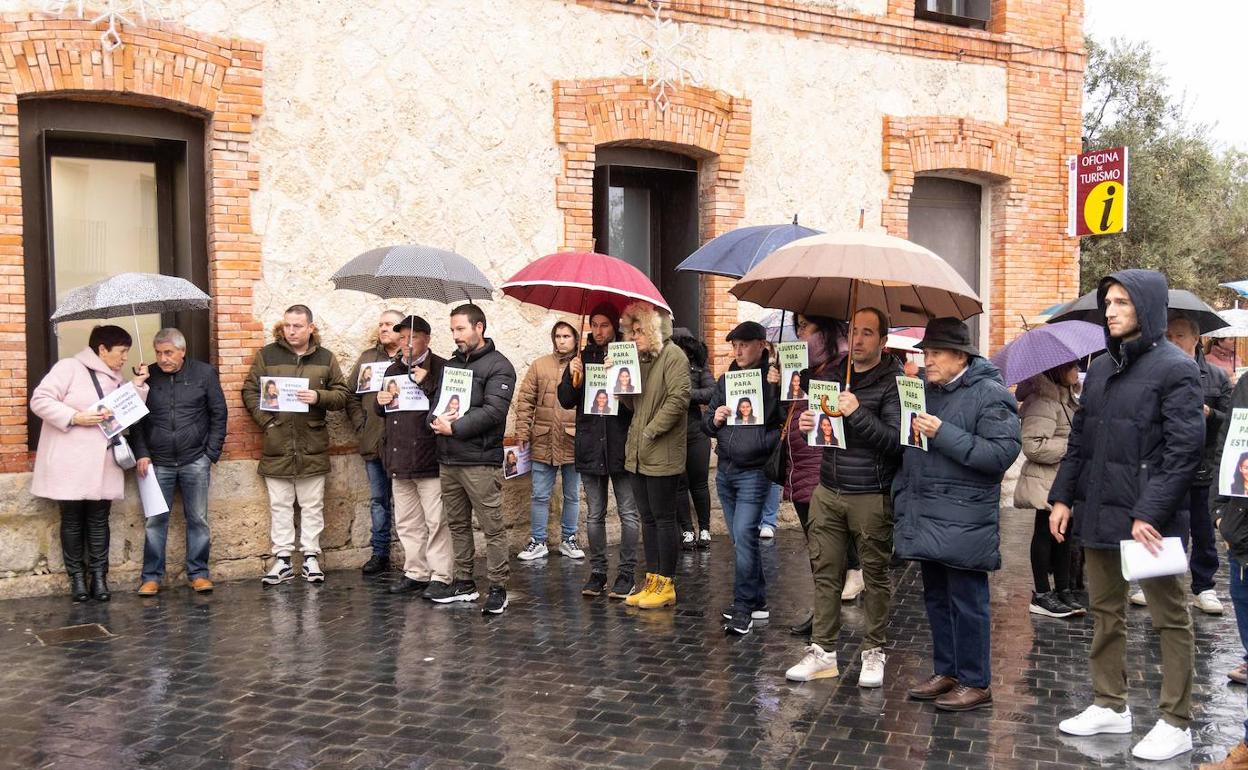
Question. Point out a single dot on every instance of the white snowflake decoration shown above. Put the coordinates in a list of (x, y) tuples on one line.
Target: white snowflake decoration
[(663, 56), (117, 13)]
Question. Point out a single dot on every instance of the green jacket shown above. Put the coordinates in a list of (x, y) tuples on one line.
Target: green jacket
[(364, 418), (657, 436), (296, 444)]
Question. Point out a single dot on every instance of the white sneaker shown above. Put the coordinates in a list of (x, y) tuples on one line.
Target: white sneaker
[(570, 549), (1207, 602), (816, 665), (872, 673), (1163, 742), (280, 572), (853, 585), (1096, 720), (766, 532), (1137, 598), (312, 569), (532, 550)]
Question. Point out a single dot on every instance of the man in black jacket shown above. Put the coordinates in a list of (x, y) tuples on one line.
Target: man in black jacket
[(179, 440), (1231, 514), (743, 450), (600, 460), (1134, 448), (852, 503), (1184, 332), (470, 459)]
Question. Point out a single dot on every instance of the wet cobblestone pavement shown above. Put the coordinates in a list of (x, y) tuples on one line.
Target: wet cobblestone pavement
[(348, 676)]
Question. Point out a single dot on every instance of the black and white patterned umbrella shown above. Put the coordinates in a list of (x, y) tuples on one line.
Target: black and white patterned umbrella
[(130, 294), (414, 272)]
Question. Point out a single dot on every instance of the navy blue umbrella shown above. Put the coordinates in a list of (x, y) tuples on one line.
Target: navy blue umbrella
[(734, 253)]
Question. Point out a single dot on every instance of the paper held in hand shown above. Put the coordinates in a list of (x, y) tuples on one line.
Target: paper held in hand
[(407, 395), (1138, 563), (913, 401), (625, 372), (743, 394), (829, 431), (372, 377), (517, 461), (150, 494), (1233, 471), (598, 397), (455, 398), (281, 394), (120, 409), (793, 359)]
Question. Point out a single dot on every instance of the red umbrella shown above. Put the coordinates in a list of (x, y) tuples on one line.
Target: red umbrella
[(577, 281)]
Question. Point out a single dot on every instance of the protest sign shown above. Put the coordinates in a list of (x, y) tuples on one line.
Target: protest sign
[(913, 401), (625, 372), (281, 394), (120, 409), (517, 461), (793, 359), (408, 397), (743, 394), (371, 377), (829, 425), (598, 397), (1233, 472), (456, 396)]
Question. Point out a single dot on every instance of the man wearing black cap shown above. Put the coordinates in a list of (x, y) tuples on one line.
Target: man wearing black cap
[(409, 450), (947, 504), (742, 451)]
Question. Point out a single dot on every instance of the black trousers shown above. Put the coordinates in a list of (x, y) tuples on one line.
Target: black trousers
[(695, 483), (85, 535), (656, 503), (1048, 555)]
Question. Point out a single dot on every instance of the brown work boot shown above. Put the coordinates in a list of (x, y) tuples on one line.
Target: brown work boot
[(933, 688), (201, 585), (1236, 760), (149, 588), (963, 698)]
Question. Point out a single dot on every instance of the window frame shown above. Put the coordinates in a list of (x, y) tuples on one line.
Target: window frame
[(970, 22)]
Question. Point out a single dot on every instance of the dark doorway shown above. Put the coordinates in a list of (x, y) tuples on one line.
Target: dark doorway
[(945, 217), (646, 213)]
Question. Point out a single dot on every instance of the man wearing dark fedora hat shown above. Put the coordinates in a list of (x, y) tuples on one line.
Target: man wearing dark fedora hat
[(947, 504)]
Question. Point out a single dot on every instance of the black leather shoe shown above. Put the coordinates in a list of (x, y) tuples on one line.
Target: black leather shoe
[(408, 586), (99, 587), (805, 627), (78, 587), (376, 565)]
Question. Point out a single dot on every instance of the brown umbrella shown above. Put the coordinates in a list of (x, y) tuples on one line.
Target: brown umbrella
[(836, 274)]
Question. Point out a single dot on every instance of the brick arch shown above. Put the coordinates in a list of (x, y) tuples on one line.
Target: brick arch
[(706, 124), (159, 65)]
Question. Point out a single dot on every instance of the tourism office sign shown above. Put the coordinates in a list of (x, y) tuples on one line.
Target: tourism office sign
[(1098, 192)]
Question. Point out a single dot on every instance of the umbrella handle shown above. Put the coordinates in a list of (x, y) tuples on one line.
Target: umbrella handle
[(137, 341), (577, 377)]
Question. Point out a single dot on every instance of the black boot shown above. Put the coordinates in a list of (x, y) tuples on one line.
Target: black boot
[(78, 587), (804, 628), (99, 587)]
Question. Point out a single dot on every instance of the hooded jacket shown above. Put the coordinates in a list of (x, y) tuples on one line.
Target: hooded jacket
[(541, 421), (477, 436), (296, 444), (742, 447), (1137, 440), (657, 437), (947, 500), (1047, 413)]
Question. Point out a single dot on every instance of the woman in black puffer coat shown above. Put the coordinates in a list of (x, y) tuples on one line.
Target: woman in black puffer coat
[(695, 481)]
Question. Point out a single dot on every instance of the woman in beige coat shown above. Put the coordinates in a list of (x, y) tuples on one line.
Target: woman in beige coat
[(550, 431), (1049, 403)]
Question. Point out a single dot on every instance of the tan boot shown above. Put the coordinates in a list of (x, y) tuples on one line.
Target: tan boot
[(149, 588), (633, 599), (662, 595), (1236, 760)]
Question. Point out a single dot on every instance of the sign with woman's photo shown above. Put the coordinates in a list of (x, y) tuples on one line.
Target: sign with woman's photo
[(281, 394), (743, 393), (913, 402), (517, 461), (1233, 473), (829, 425), (598, 397), (120, 409), (793, 359), (371, 377), (406, 396), (456, 395), (625, 372)]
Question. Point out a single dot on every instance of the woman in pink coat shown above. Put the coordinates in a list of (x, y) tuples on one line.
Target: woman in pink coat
[(74, 464)]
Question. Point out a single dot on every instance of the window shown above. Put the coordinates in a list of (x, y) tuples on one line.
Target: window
[(963, 13), (945, 216), (107, 189)]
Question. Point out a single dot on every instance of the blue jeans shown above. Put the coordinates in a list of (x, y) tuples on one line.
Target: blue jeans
[(771, 508), (957, 611), (543, 485), (1239, 599), (192, 478), (742, 494), (381, 505)]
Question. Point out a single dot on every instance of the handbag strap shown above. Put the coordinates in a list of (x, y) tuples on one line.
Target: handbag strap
[(115, 440)]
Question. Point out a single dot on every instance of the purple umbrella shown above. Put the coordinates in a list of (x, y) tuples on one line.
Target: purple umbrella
[(1045, 347)]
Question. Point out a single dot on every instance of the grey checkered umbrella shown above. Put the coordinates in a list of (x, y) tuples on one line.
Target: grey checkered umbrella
[(414, 272), (130, 294)]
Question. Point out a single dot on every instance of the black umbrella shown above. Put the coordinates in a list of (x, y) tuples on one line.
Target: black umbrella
[(1085, 309)]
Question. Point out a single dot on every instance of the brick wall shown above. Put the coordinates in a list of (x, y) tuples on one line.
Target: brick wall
[(160, 65)]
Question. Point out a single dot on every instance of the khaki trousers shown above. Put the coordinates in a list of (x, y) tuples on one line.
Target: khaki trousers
[(834, 519), (466, 488), (1167, 603), (422, 529), (309, 493)]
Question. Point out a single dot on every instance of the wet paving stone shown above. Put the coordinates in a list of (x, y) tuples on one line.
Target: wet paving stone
[(347, 676)]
